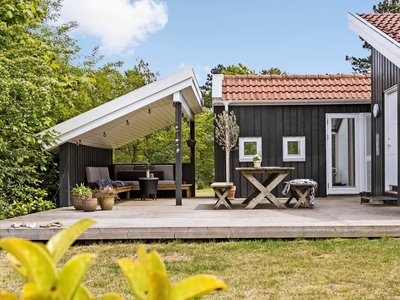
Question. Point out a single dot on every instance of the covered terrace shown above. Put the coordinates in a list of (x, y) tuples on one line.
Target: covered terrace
[(89, 138)]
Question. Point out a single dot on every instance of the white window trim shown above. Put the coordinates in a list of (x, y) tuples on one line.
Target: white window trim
[(242, 140), (294, 157)]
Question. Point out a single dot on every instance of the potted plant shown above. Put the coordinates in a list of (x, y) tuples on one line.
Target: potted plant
[(227, 135), (106, 197), (147, 169), (257, 160), (80, 193)]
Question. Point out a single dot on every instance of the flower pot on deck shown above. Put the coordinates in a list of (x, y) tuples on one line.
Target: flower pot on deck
[(106, 203), (89, 204), (231, 194)]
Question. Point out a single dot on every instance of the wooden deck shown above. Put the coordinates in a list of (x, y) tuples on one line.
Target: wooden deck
[(196, 219)]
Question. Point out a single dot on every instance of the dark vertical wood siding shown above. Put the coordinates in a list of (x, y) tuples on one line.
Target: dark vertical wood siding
[(274, 122), (384, 75), (73, 160)]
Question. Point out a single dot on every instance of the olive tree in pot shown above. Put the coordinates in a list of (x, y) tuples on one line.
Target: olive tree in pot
[(227, 135)]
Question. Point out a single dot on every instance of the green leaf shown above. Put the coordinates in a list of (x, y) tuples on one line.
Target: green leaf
[(156, 264), (60, 242), (7, 296), (17, 266), (160, 287), (35, 258), (31, 292), (196, 286), (82, 293), (72, 274), (112, 296), (137, 277)]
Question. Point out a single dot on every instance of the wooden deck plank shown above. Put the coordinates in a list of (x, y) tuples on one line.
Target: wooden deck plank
[(196, 219)]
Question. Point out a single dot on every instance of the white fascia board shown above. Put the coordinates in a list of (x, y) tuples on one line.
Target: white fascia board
[(123, 105), (178, 97), (217, 86), (376, 38), (292, 102)]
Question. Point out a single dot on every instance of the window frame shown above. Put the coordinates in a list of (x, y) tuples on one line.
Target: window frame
[(302, 147), (242, 141)]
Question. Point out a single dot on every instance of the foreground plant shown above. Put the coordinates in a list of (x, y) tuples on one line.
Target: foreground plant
[(147, 277)]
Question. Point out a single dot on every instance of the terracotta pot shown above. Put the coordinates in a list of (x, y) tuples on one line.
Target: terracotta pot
[(89, 204), (257, 163), (77, 202), (231, 194), (106, 203)]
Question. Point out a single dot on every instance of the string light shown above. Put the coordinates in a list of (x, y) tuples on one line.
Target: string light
[(104, 134), (127, 122), (149, 111)]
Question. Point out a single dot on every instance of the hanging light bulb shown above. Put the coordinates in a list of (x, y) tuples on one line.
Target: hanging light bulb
[(149, 111), (80, 142), (127, 122), (104, 134)]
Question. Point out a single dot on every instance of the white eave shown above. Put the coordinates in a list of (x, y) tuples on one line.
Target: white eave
[(383, 43), (106, 126)]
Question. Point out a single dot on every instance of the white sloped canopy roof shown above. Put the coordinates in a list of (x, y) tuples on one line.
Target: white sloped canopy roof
[(134, 115)]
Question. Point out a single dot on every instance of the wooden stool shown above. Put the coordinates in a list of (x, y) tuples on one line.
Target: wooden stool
[(222, 189), (297, 193)]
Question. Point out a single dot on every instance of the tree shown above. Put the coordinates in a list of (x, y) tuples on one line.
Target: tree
[(28, 90), (227, 135), (363, 65), (272, 71)]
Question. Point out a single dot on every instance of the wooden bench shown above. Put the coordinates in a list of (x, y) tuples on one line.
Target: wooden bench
[(161, 187)]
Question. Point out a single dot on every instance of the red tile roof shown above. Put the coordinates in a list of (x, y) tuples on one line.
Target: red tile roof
[(387, 23), (296, 87)]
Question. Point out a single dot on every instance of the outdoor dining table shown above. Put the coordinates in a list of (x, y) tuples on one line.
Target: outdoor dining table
[(264, 189)]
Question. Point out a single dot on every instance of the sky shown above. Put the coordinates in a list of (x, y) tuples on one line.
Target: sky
[(296, 36)]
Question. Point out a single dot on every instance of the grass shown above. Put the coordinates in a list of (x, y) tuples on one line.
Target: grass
[(208, 192), (262, 269)]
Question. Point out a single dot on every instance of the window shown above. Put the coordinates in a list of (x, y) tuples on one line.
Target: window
[(248, 147), (294, 148)]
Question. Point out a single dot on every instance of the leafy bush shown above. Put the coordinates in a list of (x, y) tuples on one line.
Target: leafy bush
[(147, 276)]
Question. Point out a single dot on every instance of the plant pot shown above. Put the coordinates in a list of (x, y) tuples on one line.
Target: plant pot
[(89, 204), (231, 194), (257, 163), (106, 203), (77, 202)]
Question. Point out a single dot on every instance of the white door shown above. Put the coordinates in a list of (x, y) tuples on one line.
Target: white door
[(391, 139), (347, 158)]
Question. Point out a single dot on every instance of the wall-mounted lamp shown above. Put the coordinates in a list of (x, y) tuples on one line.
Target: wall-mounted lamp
[(191, 143), (376, 110)]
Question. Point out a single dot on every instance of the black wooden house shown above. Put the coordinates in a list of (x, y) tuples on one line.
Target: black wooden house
[(319, 124), (382, 32)]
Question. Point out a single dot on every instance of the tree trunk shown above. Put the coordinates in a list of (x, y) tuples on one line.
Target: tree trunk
[(228, 173)]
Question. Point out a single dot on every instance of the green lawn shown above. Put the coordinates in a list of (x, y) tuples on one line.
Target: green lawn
[(208, 192), (270, 269)]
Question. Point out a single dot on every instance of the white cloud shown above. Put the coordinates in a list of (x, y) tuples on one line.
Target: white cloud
[(182, 65), (119, 24)]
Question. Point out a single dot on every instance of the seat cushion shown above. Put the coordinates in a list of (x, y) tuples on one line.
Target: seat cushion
[(96, 173)]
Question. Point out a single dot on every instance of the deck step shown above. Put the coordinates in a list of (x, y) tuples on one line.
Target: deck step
[(376, 198)]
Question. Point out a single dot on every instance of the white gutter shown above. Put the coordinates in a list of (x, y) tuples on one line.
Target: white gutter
[(290, 102), (383, 43)]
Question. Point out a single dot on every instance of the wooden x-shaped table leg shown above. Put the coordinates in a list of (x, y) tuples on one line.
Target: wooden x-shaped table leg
[(263, 189), (301, 197), (222, 195)]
